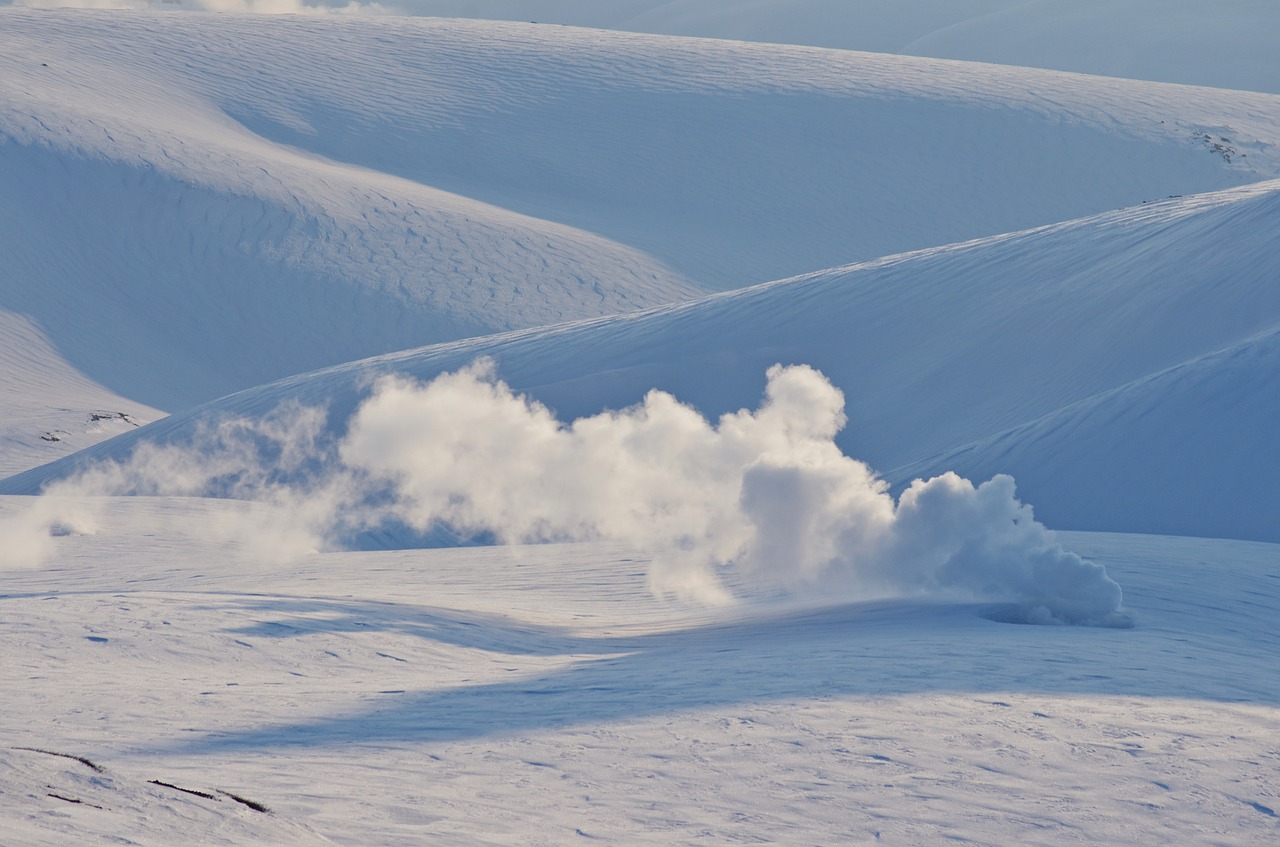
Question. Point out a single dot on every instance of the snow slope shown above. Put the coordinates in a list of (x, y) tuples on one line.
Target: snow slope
[(191, 204), (1151, 329), (1186, 450), (1225, 44), (140, 215), (50, 409), (541, 695), (197, 204)]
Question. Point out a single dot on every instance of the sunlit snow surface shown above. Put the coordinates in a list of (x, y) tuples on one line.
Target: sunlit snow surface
[(1121, 367), (194, 204), (541, 695), (246, 207), (1225, 44)]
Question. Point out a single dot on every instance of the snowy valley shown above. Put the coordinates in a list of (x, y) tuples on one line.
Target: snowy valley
[(466, 430)]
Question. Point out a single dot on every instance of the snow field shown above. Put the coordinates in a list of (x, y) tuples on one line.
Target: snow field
[(987, 356), (511, 694), (751, 637)]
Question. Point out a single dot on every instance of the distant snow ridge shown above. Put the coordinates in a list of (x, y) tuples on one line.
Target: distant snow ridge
[(1225, 44), (766, 493)]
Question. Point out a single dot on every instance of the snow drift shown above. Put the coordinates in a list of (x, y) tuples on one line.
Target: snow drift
[(766, 492)]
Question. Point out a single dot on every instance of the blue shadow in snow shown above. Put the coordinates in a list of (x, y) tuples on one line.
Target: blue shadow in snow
[(878, 649)]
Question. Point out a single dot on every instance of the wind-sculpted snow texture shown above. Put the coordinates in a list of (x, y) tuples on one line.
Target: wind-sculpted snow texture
[(767, 493), (1225, 44), (245, 208), (984, 357), (206, 258), (521, 694), (651, 565), (1181, 451)]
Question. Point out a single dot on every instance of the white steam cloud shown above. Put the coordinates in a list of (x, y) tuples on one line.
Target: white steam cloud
[(26, 535), (765, 494)]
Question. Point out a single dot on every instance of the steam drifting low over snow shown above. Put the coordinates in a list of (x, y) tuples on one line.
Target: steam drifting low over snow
[(944, 356), (767, 493), (751, 637)]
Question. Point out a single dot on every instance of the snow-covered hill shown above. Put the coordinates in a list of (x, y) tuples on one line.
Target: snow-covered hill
[(196, 204), (50, 409), (1149, 328), (1187, 450), (733, 163), (1225, 44), (733, 631), (141, 217)]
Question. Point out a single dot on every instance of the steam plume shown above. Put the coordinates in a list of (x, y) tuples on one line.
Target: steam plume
[(765, 492)]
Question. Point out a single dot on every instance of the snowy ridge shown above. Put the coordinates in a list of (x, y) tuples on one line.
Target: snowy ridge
[(1226, 44), (1114, 461), (50, 408), (729, 629), (624, 134), (244, 209), (187, 214), (210, 289)]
